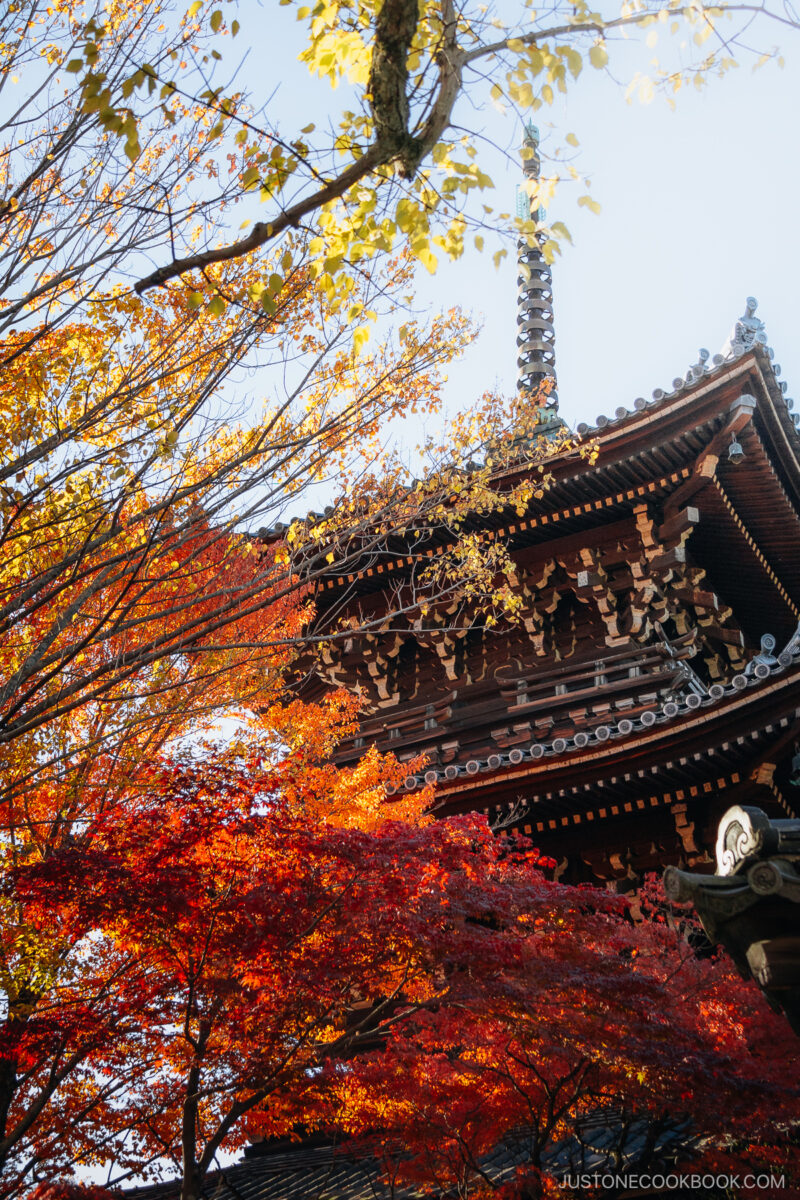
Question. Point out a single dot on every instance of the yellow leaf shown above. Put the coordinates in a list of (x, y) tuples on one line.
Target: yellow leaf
[(360, 338), (598, 55), (427, 258), (574, 62), (572, 140)]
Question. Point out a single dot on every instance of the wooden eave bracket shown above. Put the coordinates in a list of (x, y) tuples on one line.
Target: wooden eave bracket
[(740, 414)]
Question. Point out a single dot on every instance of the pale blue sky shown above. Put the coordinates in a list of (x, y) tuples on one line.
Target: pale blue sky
[(699, 211)]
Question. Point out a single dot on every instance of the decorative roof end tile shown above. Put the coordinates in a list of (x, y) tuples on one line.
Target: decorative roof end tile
[(747, 332)]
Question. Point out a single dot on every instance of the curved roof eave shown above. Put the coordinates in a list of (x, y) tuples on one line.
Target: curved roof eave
[(646, 727)]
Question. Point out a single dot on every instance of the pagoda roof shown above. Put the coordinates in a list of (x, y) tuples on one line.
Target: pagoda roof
[(655, 437), (698, 488), (640, 453)]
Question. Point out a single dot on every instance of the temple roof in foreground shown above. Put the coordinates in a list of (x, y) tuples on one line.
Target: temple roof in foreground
[(325, 1172)]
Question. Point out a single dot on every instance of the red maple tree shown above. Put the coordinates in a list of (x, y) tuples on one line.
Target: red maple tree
[(609, 1034), (234, 963)]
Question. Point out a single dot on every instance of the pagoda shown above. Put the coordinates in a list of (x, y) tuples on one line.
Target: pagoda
[(652, 678)]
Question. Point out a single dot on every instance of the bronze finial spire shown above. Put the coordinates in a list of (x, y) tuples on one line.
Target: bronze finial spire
[(536, 361)]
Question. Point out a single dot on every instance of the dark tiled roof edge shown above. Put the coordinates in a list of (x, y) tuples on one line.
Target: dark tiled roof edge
[(755, 675)]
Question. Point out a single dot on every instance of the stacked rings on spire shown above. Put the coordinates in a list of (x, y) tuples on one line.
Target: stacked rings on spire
[(536, 335)]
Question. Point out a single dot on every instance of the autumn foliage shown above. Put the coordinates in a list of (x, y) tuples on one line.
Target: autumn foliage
[(224, 963), (607, 1028), (140, 611), (206, 941)]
